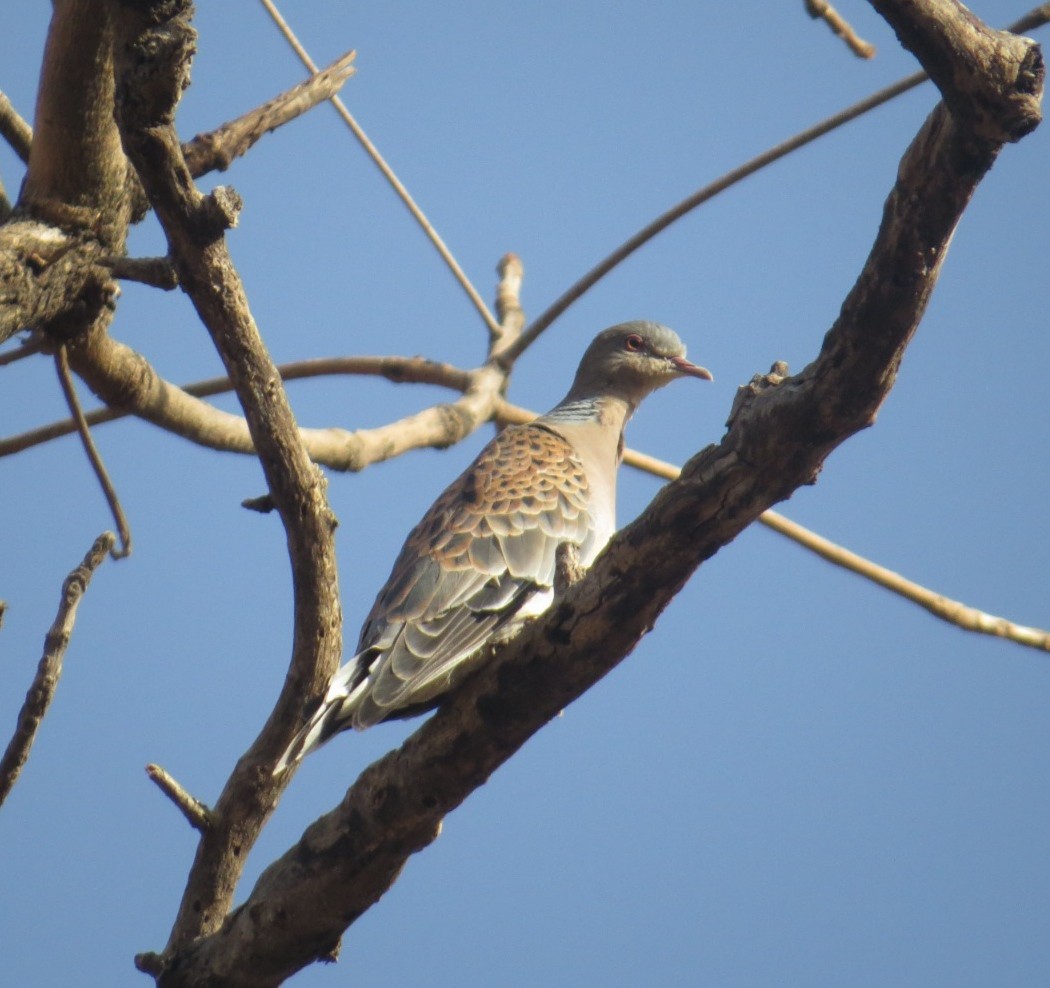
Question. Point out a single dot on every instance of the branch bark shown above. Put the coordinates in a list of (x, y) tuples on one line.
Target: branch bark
[(780, 432), (49, 669), (156, 47)]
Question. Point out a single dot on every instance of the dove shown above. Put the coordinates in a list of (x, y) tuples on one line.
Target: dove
[(482, 559)]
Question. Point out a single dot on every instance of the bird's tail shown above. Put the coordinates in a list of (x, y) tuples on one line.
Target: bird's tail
[(334, 714)]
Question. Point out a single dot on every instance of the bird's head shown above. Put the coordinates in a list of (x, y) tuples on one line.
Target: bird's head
[(632, 360)]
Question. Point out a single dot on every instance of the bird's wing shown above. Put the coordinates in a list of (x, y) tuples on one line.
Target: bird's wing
[(484, 548)]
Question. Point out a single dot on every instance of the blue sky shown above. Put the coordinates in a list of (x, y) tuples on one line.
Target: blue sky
[(797, 778)]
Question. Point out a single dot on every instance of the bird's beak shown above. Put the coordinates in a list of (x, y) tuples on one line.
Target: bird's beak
[(692, 370)]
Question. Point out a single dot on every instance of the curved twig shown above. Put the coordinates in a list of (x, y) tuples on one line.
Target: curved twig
[(93, 455), (1034, 18), (822, 10), (388, 173), (49, 669)]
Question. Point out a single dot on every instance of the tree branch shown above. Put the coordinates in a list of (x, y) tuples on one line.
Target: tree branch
[(398, 370), (197, 814), (15, 130), (217, 149), (73, 208), (822, 10), (49, 669), (94, 457), (779, 435), (156, 48)]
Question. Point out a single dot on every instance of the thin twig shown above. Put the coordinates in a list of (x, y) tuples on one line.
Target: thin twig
[(49, 669), (822, 10), (388, 174), (27, 349), (952, 611), (1034, 18), (64, 378), (508, 303), (16, 131), (197, 814)]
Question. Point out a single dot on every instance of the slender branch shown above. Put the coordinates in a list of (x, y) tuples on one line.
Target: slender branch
[(508, 303), (218, 149), (389, 175), (26, 349), (952, 611), (14, 129), (197, 814), (49, 669), (95, 459), (171, 407), (1034, 18), (156, 272), (822, 10)]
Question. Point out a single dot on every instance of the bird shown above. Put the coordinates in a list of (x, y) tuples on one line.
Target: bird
[(482, 559)]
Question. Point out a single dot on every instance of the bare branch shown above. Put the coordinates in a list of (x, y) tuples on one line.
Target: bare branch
[(119, 374), (28, 348), (49, 669), (388, 173), (154, 271), (822, 10), (156, 48), (197, 814), (217, 149), (73, 207), (1034, 18), (115, 507), (15, 130), (508, 303)]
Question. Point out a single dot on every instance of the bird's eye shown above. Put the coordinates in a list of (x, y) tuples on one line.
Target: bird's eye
[(634, 343)]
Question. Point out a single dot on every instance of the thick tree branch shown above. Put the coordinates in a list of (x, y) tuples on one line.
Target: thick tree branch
[(73, 208), (154, 55), (779, 434), (42, 690)]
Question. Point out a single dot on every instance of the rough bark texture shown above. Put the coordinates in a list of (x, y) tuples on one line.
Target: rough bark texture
[(155, 51)]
